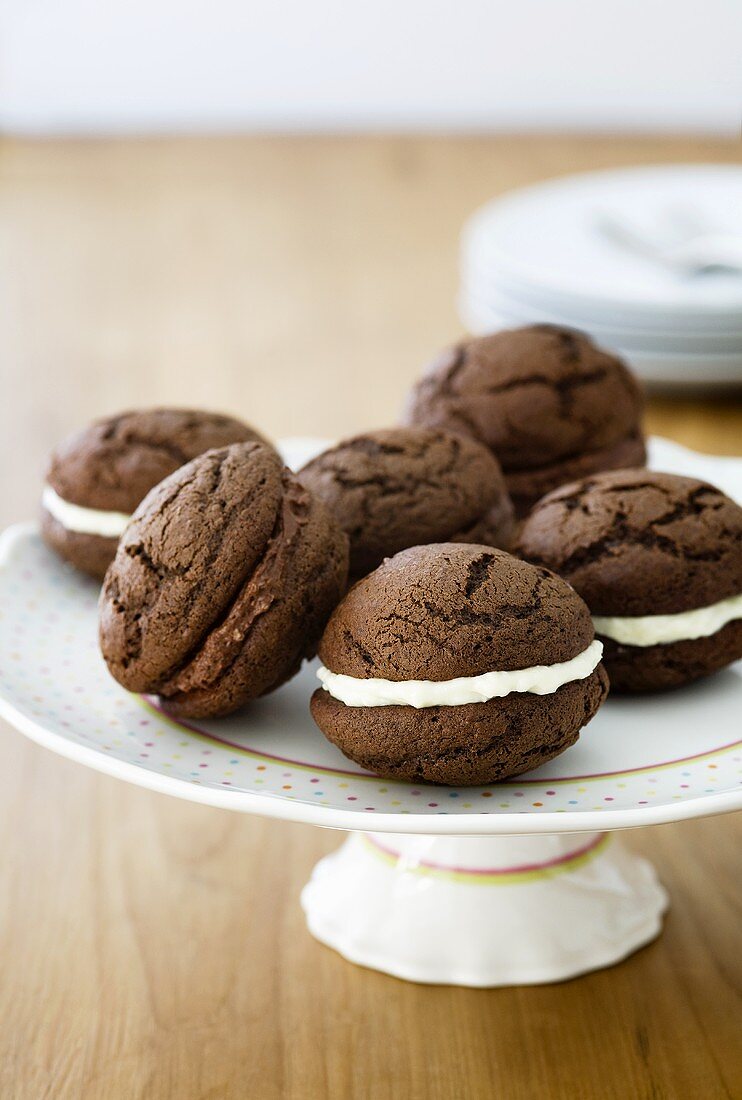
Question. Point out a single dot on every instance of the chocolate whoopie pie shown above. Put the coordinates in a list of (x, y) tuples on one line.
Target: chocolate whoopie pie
[(222, 583), (658, 560), (457, 664), (406, 486), (97, 477), (549, 403)]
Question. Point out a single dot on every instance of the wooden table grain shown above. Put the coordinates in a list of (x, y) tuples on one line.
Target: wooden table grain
[(152, 948)]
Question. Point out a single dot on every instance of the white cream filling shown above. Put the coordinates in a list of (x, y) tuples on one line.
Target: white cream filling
[(86, 521), (538, 680), (646, 630)]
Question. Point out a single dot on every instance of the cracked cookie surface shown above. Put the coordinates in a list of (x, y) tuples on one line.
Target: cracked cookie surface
[(113, 464), (447, 610), (222, 583), (636, 543), (404, 487), (547, 401), (443, 611)]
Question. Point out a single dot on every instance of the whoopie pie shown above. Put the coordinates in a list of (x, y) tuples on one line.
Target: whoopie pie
[(222, 583), (407, 486), (658, 560), (457, 664), (97, 477), (550, 404)]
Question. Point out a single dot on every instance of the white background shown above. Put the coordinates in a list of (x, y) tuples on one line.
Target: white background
[(99, 65)]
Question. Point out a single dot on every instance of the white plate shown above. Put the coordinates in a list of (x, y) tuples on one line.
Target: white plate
[(480, 294), (672, 369), (641, 761), (542, 240)]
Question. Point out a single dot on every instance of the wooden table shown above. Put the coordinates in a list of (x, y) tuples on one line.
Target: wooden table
[(154, 948)]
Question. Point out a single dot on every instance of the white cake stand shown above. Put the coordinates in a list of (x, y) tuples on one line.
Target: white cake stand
[(517, 883)]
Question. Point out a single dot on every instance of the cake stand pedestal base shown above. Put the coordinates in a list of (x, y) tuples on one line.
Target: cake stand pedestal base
[(484, 911)]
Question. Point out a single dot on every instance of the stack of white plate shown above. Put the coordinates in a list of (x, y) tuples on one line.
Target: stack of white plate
[(599, 252)]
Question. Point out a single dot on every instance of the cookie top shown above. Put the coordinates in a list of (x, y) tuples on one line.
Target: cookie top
[(405, 486), (112, 464), (534, 395), (635, 542), (447, 610), (216, 557)]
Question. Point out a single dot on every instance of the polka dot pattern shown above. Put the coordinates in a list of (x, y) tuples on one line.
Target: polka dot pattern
[(52, 675)]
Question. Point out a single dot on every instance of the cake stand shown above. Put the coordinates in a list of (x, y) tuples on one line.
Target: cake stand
[(517, 883)]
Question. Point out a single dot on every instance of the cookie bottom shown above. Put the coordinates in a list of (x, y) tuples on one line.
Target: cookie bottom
[(91, 554), (528, 486), (471, 745), (661, 667)]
